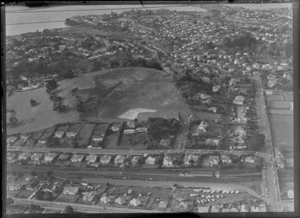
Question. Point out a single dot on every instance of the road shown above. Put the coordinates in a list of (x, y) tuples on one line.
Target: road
[(270, 178)]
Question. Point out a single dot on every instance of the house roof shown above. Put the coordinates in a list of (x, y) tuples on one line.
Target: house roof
[(162, 204), (105, 158)]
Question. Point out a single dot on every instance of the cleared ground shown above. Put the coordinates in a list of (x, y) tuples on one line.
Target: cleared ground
[(282, 127), (104, 96)]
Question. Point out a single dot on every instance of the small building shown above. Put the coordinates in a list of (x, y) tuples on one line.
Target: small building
[(98, 137), (120, 200), (119, 159), (245, 208), (129, 131), (165, 142), (183, 205), (37, 156), (163, 204), (249, 159), (141, 129), (105, 159), (71, 190), (203, 209), (24, 156), (91, 158), (14, 186), (77, 158), (89, 196), (168, 161), (10, 140), (290, 193), (215, 209), (262, 208), (10, 155), (216, 88), (190, 158), (71, 134), (63, 157), (135, 202), (115, 127), (105, 199), (49, 157), (135, 160), (150, 160), (226, 159), (211, 161), (130, 124), (213, 142)]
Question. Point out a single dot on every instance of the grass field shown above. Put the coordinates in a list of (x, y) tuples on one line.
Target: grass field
[(101, 96), (282, 129)]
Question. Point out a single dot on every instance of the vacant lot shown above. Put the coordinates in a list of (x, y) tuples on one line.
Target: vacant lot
[(282, 129), (38, 117), (85, 135)]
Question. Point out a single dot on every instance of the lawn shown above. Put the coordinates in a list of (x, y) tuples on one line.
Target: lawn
[(85, 135)]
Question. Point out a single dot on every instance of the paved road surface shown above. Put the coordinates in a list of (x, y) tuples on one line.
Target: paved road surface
[(271, 177)]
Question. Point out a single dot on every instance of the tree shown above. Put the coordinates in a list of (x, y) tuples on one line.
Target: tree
[(51, 86), (68, 209)]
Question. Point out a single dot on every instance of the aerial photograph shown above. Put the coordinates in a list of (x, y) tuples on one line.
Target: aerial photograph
[(149, 108)]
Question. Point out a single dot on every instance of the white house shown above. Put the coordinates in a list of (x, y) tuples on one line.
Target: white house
[(150, 160)]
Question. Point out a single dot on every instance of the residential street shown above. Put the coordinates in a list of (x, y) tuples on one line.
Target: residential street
[(271, 177)]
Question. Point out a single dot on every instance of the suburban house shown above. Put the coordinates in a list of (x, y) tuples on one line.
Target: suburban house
[(135, 202), (91, 158), (191, 158), (183, 205), (226, 159), (163, 204), (70, 190), (89, 196), (203, 209), (215, 209), (135, 160), (77, 158), (202, 127), (115, 127), (59, 134), (165, 142), (105, 159), (63, 157), (10, 140), (105, 199), (129, 131), (14, 186), (98, 137), (37, 156), (49, 157), (245, 208), (71, 134), (249, 159), (213, 142), (150, 160), (119, 159), (211, 161), (24, 156), (10, 155), (168, 161), (120, 200)]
